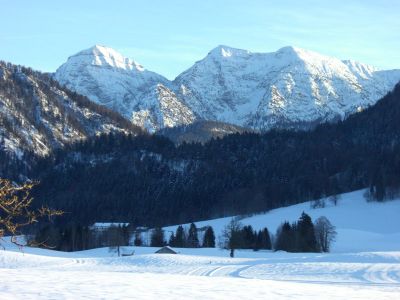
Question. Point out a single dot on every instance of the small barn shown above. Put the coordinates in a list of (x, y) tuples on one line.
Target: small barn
[(166, 250)]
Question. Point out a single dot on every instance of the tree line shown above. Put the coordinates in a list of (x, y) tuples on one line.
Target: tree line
[(182, 238), (300, 236)]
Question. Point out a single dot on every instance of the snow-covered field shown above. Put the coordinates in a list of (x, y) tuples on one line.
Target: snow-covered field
[(353, 271), (361, 225), (199, 273)]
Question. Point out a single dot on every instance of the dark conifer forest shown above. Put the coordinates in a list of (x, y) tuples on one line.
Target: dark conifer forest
[(148, 180)]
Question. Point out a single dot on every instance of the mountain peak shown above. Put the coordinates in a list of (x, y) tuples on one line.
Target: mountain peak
[(296, 52), (100, 55), (226, 52), (289, 49), (259, 90)]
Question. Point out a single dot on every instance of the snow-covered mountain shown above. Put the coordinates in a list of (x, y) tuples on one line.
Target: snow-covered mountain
[(119, 83), (37, 115), (291, 88)]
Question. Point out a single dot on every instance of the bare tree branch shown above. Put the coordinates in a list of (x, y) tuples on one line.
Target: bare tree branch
[(16, 211)]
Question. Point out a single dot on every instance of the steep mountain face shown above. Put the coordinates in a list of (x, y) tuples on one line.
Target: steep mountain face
[(119, 83), (37, 115), (288, 88)]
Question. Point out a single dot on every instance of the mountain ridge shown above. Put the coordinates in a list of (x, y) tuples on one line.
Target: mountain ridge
[(290, 88)]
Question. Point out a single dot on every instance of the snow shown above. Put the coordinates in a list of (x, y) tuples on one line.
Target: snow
[(255, 90), (361, 225), (226, 53), (108, 78), (355, 272), (105, 56), (41, 284), (195, 273), (50, 125), (102, 225), (283, 88)]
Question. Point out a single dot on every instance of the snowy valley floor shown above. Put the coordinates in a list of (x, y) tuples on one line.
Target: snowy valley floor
[(201, 273), (365, 264)]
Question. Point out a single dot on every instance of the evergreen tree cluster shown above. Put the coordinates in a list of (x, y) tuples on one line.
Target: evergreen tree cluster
[(190, 239), (304, 236), (77, 237), (237, 236)]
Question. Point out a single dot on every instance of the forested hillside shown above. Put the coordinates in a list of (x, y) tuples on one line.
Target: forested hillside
[(147, 180), (37, 115)]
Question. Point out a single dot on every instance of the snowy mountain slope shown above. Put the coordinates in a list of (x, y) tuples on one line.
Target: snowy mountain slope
[(37, 115), (361, 225), (291, 87), (119, 83)]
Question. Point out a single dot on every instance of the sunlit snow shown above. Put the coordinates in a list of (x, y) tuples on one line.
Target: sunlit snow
[(351, 271)]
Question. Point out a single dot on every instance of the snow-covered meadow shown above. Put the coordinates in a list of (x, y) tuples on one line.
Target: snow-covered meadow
[(364, 264)]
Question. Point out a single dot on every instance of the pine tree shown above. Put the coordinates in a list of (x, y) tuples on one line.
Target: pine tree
[(249, 237), (285, 238), (180, 237), (305, 241), (172, 240), (209, 238), (193, 239), (157, 238), (258, 244), (265, 239)]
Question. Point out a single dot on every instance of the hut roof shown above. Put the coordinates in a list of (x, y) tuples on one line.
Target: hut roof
[(166, 250)]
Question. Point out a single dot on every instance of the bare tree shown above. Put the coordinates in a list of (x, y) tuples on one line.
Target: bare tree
[(317, 203), (325, 233), (16, 211), (231, 236), (334, 199), (116, 239), (138, 239)]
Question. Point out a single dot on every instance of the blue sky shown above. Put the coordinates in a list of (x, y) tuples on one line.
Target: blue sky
[(169, 36)]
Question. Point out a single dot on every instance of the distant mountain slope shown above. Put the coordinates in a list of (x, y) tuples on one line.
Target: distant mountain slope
[(37, 115), (201, 131), (289, 88), (119, 83)]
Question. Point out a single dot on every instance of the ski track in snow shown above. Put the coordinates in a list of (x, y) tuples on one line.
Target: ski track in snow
[(94, 274), (362, 268)]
